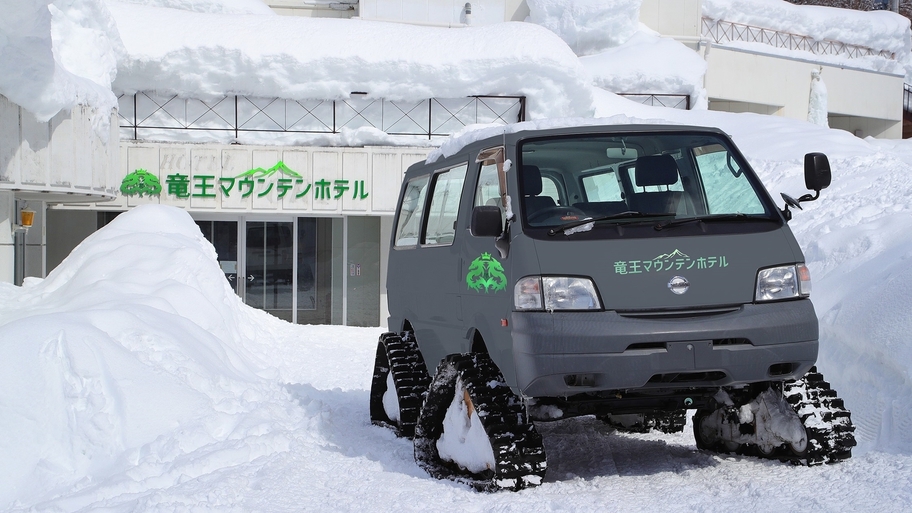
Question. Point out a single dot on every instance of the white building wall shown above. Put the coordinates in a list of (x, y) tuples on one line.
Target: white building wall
[(62, 160), (444, 12), (674, 18), (739, 80)]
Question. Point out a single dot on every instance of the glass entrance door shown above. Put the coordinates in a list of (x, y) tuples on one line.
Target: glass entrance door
[(295, 268), (269, 262), (223, 235)]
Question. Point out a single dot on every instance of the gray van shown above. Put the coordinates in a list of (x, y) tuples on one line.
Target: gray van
[(630, 272)]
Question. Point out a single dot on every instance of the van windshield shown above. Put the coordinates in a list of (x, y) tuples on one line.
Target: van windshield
[(666, 179)]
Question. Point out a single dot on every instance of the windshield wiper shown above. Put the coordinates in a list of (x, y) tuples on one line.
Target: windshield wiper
[(715, 217), (629, 214)]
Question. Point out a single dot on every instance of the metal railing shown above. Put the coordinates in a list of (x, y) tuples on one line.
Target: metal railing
[(673, 101), (720, 31), (147, 114)]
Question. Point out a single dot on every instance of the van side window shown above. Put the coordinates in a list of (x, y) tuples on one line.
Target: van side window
[(410, 212), (487, 192), (441, 218)]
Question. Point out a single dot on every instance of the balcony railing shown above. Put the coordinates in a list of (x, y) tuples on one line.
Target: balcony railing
[(147, 115), (673, 101), (720, 31)]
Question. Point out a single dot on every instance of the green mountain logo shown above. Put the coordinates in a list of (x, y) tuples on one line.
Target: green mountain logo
[(674, 254), (280, 168)]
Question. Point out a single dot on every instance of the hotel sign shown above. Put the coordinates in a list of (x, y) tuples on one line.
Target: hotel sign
[(279, 181)]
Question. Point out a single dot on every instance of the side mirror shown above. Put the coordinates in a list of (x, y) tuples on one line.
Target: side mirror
[(486, 221), (817, 174)]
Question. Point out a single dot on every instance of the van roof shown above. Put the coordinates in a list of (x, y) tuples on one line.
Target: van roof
[(510, 134)]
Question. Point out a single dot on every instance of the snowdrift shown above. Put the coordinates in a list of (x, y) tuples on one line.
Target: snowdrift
[(131, 353)]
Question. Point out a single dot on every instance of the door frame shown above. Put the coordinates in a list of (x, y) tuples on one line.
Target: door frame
[(242, 220)]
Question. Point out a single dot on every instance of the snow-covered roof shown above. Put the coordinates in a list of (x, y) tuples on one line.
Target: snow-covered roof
[(54, 58), (200, 55), (879, 30)]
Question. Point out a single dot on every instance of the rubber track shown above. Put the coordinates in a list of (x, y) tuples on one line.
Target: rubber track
[(518, 450), (399, 354), (827, 421)]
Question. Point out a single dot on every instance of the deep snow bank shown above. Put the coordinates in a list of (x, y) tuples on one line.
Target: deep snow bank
[(588, 26), (55, 55), (131, 353), (208, 55)]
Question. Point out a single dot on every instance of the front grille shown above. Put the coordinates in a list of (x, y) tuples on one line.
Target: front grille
[(678, 314)]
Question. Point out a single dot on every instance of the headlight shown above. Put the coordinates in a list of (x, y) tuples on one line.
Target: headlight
[(555, 293), (784, 282)]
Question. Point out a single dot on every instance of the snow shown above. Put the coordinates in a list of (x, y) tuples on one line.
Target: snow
[(133, 378), (879, 30), (464, 440), (210, 55), (55, 55), (631, 67), (817, 102), (587, 26)]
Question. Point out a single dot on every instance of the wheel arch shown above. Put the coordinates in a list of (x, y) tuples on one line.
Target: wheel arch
[(477, 342)]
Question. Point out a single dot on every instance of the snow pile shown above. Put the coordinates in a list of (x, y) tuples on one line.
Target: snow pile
[(209, 6), (56, 55), (588, 26), (210, 55), (132, 353), (621, 54), (649, 63)]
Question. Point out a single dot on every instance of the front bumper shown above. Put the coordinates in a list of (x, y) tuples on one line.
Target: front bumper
[(565, 353)]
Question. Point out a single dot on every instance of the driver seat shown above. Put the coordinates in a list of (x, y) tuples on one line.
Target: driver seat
[(532, 187)]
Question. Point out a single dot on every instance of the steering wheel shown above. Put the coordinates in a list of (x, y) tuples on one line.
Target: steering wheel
[(549, 212)]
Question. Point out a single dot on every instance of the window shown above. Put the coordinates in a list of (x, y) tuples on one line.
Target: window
[(410, 212), (602, 187), (447, 191), (487, 192), (727, 187)]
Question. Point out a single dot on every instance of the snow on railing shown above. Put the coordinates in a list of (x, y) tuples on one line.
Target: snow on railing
[(720, 31), (150, 114), (673, 101)]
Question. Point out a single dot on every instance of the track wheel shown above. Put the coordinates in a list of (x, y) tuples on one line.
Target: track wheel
[(707, 428), (399, 383), (473, 429)]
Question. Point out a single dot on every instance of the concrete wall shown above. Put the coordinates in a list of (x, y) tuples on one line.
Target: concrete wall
[(675, 18), (444, 12), (870, 102)]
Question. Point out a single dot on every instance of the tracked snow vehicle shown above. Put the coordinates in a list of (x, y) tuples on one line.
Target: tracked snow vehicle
[(629, 272)]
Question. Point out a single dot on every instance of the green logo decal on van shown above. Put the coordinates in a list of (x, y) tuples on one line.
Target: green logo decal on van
[(674, 261), (485, 272)]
